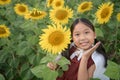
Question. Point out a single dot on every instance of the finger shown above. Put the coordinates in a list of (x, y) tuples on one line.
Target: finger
[(95, 47), (91, 50), (51, 66), (48, 65)]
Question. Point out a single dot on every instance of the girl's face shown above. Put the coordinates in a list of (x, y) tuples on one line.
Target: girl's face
[(83, 36)]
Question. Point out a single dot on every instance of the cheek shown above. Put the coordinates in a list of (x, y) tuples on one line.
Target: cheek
[(76, 41), (92, 39)]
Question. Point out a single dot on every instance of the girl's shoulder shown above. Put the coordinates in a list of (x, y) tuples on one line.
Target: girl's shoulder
[(97, 56), (99, 61)]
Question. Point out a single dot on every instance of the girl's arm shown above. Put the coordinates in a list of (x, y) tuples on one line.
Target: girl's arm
[(83, 73)]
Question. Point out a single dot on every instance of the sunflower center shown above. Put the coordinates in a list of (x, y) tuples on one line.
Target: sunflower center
[(35, 13), (105, 13), (3, 0), (22, 8), (2, 31), (56, 38), (58, 4), (61, 14), (51, 1), (85, 6)]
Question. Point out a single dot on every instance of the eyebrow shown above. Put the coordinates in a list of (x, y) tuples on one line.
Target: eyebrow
[(87, 29)]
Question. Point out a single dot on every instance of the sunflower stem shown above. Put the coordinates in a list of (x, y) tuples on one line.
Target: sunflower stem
[(116, 37)]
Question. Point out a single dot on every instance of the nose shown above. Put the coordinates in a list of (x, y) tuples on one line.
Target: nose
[(82, 37)]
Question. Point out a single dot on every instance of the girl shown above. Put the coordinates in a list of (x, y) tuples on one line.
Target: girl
[(86, 54)]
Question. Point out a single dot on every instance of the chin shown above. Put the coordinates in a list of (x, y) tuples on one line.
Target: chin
[(85, 47)]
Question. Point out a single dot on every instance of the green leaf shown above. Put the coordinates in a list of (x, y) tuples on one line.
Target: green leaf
[(60, 72), (31, 58), (37, 71), (28, 25), (23, 49), (26, 75), (3, 42), (65, 67), (32, 40), (94, 79), (24, 67), (3, 56), (43, 71), (48, 58), (113, 70), (2, 77), (63, 61), (51, 74), (99, 32)]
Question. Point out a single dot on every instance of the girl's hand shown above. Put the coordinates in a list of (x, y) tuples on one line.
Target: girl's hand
[(52, 65), (89, 52)]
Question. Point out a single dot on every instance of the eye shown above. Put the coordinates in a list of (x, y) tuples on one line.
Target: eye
[(77, 34), (87, 32)]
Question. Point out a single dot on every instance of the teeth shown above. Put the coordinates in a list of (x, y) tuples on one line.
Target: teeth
[(83, 43)]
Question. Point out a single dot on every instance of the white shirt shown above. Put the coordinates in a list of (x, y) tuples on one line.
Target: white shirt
[(99, 64)]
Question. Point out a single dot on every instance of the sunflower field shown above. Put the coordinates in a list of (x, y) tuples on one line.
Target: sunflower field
[(34, 32)]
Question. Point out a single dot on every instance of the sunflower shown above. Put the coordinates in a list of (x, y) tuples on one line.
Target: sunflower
[(58, 3), (35, 14), (55, 39), (4, 31), (49, 3), (21, 9), (85, 6), (104, 12), (61, 15), (3, 2), (118, 17)]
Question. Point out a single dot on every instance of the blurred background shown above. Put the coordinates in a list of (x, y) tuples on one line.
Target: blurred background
[(22, 21)]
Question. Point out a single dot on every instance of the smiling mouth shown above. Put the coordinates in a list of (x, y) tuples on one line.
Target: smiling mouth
[(84, 44)]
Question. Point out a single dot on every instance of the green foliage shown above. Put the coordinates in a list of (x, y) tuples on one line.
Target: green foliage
[(99, 32), (42, 70), (94, 79), (113, 70), (21, 57), (2, 77)]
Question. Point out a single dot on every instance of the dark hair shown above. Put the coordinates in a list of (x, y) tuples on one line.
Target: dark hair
[(85, 21)]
